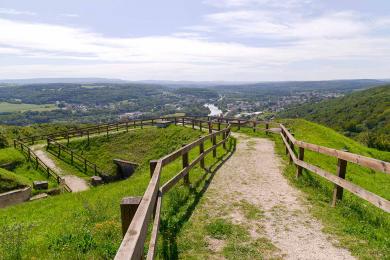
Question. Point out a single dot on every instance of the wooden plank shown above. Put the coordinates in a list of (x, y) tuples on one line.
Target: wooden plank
[(156, 225), (132, 245), (350, 157), (290, 151), (358, 191)]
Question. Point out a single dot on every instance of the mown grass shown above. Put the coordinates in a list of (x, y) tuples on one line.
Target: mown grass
[(6, 107), (86, 225), (358, 225)]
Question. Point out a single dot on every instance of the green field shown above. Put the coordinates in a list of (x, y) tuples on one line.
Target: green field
[(87, 225), (6, 107)]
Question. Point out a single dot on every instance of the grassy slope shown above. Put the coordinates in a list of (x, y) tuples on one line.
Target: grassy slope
[(11, 181), (363, 115), (10, 107), (87, 224), (23, 169), (359, 226)]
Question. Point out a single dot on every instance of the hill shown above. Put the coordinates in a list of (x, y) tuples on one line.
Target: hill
[(363, 115)]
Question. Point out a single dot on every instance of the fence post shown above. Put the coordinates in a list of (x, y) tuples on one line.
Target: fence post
[(214, 143), (182, 120), (175, 121), (152, 164), (185, 165), (301, 156), (239, 124), (210, 127), (254, 126), (201, 151), (200, 125), (219, 125), (338, 191), (129, 206), (48, 144), (134, 126), (117, 127), (193, 123), (224, 141)]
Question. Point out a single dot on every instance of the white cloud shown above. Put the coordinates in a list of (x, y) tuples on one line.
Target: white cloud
[(262, 3), (9, 11), (70, 15)]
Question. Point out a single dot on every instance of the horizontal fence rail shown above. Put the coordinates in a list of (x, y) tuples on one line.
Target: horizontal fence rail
[(343, 158), (39, 164), (132, 246)]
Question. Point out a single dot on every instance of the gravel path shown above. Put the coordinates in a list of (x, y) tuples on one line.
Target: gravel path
[(254, 174), (75, 183)]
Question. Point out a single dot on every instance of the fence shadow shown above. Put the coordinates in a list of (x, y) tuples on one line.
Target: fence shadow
[(172, 224)]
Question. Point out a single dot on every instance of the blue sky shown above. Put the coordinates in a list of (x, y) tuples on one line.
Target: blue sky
[(205, 40)]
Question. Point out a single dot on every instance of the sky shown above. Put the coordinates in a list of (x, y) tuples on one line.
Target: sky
[(204, 40)]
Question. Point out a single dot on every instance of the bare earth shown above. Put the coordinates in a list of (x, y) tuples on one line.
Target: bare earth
[(75, 183), (254, 174)]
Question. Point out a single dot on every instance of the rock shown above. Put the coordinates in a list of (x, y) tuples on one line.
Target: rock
[(96, 180), (40, 185), (39, 196)]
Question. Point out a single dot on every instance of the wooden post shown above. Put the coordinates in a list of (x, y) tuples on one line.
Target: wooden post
[(129, 206), (185, 165), (254, 126), (210, 127), (175, 121), (224, 137), (193, 123), (239, 124), (134, 124), (338, 191), (152, 164), (201, 150), (214, 143), (266, 128), (117, 127), (48, 144), (182, 120), (200, 125), (219, 126), (301, 156)]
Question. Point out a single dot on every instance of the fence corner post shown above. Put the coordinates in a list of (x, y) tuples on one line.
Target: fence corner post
[(152, 164)]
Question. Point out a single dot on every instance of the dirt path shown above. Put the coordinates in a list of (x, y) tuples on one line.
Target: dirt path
[(75, 183), (254, 175)]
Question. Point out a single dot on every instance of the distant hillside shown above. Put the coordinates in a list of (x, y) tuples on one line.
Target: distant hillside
[(362, 115), (61, 80)]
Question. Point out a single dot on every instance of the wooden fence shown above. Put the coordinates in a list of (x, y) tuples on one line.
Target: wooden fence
[(343, 158), (59, 149), (39, 164), (138, 216)]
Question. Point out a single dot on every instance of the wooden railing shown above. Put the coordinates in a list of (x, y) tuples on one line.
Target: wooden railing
[(132, 246), (39, 164), (343, 158), (59, 149)]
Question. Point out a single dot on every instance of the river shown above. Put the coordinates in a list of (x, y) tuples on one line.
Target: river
[(215, 111)]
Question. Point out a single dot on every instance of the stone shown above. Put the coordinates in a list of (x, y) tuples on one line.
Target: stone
[(41, 185), (96, 180), (124, 168), (39, 196)]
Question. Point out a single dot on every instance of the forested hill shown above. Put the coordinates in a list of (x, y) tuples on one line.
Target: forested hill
[(362, 115)]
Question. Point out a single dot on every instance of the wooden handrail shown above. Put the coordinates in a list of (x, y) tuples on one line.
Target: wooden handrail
[(339, 181), (132, 246)]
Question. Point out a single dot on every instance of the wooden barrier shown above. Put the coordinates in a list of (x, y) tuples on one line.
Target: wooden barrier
[(132, 246), (343, 158)]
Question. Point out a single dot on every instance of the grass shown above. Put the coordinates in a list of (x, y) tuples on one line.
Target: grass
[(6, 107), (358, 225), (22, 169), (11, 181), (86, 225)]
